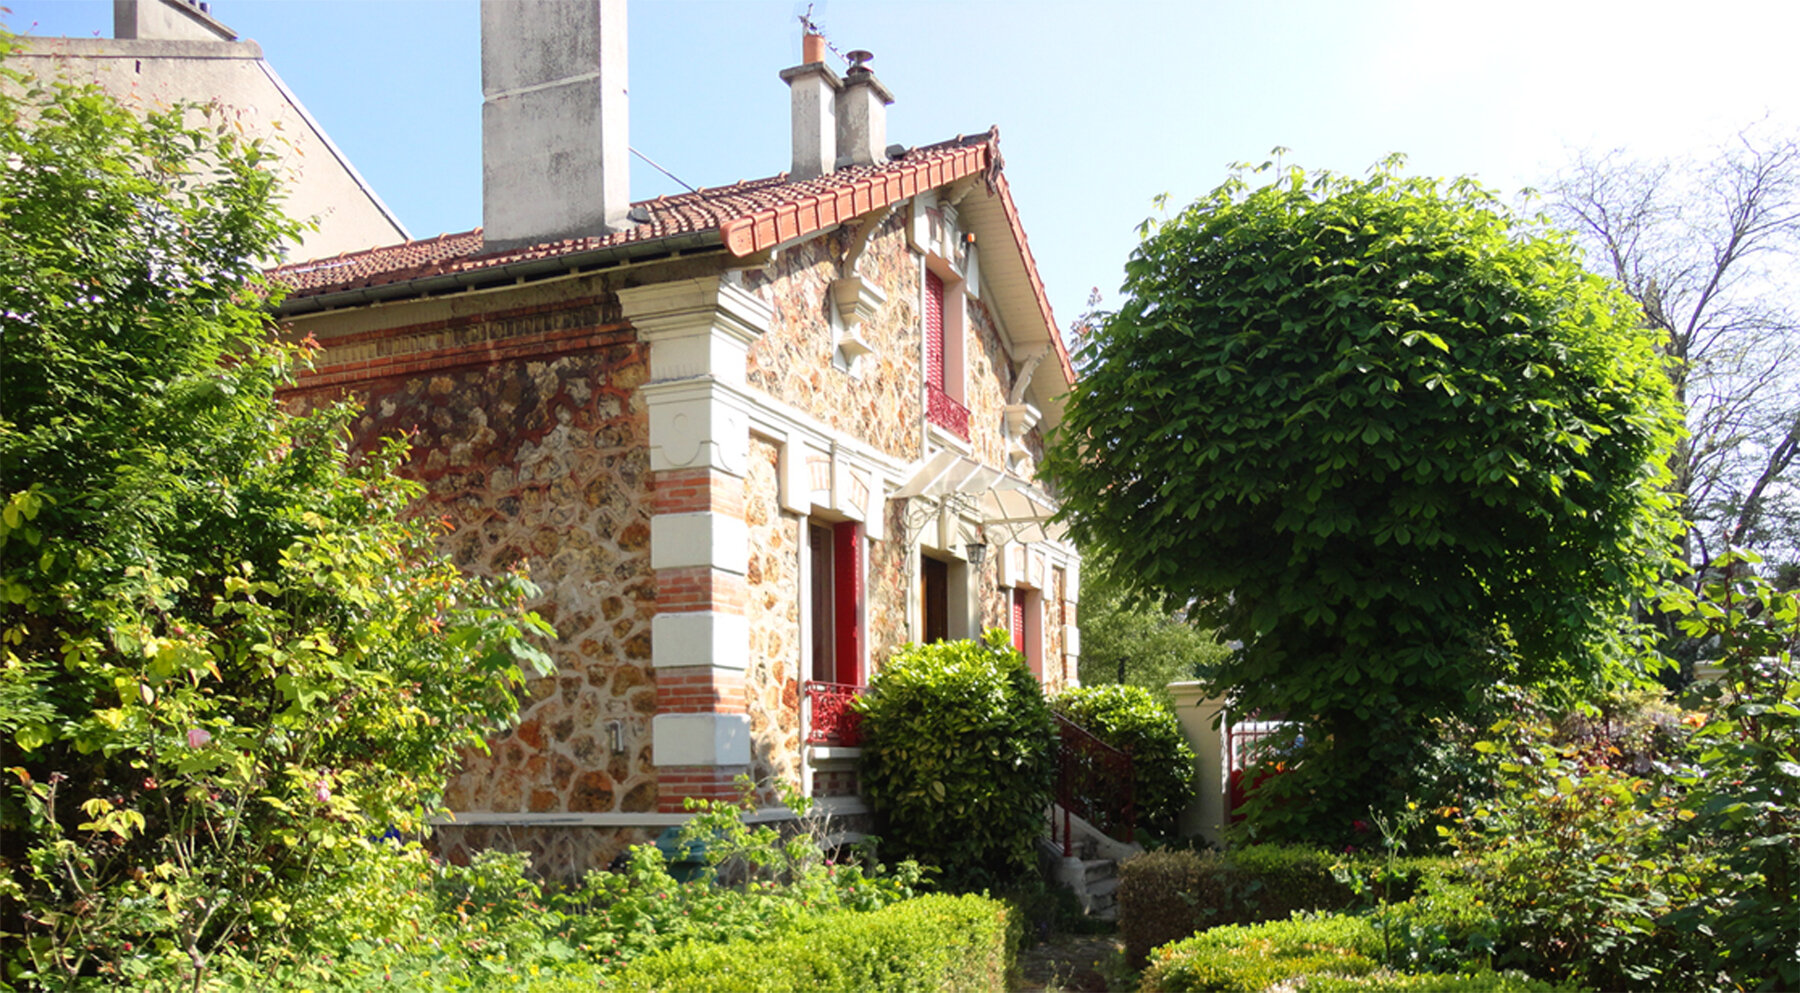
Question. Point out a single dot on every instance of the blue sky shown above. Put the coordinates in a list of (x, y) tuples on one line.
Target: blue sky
[(1101, 106)]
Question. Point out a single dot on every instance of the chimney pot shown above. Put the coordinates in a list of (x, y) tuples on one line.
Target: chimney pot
[(812, 48)]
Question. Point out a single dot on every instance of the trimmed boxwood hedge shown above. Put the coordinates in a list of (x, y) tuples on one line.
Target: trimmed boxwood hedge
[(1332, 953), (958, 759), (1167, 895), (930, 943)]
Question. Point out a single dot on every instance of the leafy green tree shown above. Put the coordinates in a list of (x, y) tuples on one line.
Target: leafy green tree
[(226, 655), (1137, 644), (1390, 438)]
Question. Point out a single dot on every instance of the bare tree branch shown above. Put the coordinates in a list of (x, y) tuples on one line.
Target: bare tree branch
[(1710, 248)]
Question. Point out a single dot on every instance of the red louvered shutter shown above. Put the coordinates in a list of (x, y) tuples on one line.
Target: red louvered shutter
[(1018, 620), (846, 542), (934, 331)]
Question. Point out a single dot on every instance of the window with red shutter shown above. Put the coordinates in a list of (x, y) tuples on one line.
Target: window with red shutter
[(934, 331), (846, 541), (1018, 619)]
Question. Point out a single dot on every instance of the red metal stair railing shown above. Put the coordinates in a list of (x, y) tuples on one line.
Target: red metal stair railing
[(1093, 782), (831, 720)]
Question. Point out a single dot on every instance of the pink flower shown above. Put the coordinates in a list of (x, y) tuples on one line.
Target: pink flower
[(198, 737), (323, 790)]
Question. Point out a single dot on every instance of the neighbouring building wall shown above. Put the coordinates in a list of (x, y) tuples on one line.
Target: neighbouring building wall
[(155, 74)]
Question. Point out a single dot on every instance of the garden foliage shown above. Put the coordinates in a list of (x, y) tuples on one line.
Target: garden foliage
[(1133, 719), (226, 655), (389, 916), (958, 757), (1392, 439), (1336, 953), (936, 942), (1165, 895)]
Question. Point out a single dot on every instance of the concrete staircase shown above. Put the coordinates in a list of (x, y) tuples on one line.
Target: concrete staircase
[(1091, 870)]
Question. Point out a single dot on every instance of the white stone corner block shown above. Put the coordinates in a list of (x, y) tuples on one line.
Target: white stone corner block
[(1072, 640), (702, 637), (700, 739), (695, 423), (796, 478), (700, 539)]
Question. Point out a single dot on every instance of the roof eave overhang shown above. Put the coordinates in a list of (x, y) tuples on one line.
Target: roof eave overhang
[(510, 274)]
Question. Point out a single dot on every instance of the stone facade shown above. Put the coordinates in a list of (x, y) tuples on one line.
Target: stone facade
[(773, 677), (538, 462), (793, 362), (652, 443)]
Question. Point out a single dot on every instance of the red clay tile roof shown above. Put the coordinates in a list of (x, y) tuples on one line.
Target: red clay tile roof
[(749, 217)]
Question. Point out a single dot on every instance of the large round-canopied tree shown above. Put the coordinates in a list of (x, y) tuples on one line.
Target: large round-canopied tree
[(1391, 438)]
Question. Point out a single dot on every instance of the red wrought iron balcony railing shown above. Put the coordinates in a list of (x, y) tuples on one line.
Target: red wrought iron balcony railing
[(830, 718), (946, 412)]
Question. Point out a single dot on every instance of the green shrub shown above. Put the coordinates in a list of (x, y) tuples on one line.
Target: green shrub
[(229, 652), (1330, 953), (1170, 894), (1478, 981), (1132, 719), (1260, 956), (957, 758), (930, 943)]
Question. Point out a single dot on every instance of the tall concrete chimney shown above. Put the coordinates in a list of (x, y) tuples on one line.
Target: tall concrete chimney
[(862, 115), (555, 145), (814, 93), (167, 20)]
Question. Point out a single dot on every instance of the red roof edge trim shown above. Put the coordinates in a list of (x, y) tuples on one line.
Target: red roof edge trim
[(768, 228)]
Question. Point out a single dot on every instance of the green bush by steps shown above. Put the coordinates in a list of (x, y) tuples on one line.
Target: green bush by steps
[(929, 943), (957, 759), (1166, 895), (1132, 719), (1330, 954)]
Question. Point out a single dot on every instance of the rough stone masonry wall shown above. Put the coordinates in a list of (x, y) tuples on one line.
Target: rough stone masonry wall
[(542, 460), (792, 361), (772, 682)]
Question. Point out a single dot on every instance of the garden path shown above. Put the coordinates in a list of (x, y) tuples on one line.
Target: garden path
[(1073, 963)]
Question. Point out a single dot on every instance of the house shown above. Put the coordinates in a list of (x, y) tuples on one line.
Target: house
[(749, 439), (165, 52)]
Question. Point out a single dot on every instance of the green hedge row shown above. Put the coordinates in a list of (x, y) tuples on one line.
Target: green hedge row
[(1324, 954), (1168, 895), (929, 943)]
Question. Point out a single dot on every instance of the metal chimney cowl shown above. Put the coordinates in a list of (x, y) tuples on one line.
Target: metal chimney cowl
[(862, 115), (555, 136)]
